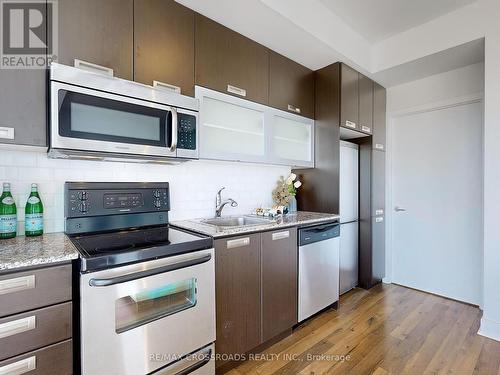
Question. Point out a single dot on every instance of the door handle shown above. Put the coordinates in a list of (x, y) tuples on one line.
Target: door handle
[(173, 145), (151, 272), (399, 209)]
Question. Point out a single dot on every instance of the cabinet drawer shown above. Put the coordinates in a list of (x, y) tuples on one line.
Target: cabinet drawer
[(35, 329), (51, 360), (28, 290)]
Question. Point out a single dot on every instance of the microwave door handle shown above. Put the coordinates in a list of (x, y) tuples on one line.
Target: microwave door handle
[(151, 272), (175, 119)]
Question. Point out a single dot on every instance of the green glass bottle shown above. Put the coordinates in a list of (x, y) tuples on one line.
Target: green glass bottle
[(33, 213), (8, 213)]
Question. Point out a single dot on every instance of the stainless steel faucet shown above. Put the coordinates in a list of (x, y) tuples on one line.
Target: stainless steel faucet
[(219, 205)]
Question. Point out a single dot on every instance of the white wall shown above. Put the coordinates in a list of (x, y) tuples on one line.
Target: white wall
[(436, 89), (490, 324), (422, 96), (193, 184)]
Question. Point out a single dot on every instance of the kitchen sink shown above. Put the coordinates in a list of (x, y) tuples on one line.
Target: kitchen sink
[(236, 221)]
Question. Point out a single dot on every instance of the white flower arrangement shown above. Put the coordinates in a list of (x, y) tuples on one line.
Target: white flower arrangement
[(286, 189)]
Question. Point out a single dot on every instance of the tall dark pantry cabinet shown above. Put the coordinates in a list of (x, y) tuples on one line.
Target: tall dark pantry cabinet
[(349, 105)]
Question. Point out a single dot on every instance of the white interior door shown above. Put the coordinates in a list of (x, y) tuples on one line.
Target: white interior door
[(437, 201)]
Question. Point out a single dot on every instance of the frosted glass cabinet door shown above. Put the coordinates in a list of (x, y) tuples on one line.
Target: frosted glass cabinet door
[(291, 140), (230, 128)]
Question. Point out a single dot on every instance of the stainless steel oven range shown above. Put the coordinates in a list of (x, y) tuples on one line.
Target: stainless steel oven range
[(147, 290)]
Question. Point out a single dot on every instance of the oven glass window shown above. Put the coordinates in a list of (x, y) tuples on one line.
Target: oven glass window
[(152, 304), (102, 119)]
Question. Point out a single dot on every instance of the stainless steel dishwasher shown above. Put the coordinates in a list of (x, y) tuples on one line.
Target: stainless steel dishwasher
[(319, 248)]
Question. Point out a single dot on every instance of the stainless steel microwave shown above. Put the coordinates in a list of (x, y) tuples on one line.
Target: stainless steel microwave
[(93, 115)]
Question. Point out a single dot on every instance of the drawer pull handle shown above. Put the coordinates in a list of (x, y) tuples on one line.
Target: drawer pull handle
[(281, 235), (293, 108), (166, 87), (379, 212), (239, 242), (350, 124), (6, 133), (17, 326), (94, 68), (236, 90), (366, 129), (379, 146), (17, 284), (20, 367)]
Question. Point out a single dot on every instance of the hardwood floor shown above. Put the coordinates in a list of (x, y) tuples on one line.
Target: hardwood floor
[(386, 330)]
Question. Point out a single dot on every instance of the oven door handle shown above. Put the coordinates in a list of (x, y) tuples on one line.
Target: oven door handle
[(151, 272)]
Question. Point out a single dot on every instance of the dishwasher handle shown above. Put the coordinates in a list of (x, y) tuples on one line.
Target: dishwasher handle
[(318, 233)]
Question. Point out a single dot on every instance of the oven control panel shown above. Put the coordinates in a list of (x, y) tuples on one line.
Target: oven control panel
[(105, 199)]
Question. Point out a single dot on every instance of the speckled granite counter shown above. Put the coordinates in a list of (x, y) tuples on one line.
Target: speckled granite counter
[(23, 251), (300, 218)]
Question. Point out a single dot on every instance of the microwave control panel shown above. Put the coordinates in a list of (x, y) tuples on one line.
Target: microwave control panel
[(186, 133)]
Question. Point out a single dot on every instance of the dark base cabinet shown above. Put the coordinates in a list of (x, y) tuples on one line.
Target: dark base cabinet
[(256, 290), (279, 282), (37, 321), (51, 360), (237, 283)]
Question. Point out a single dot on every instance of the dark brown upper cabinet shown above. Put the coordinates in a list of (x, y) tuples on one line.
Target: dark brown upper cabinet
[(365, 119), (291, 86), (164, 44), (23, 106), (279, 256), (349, 97), (99, 32), (379, 117), (229, 62)]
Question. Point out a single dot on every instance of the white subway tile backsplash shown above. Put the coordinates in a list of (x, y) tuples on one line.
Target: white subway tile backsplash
[(193, 185)]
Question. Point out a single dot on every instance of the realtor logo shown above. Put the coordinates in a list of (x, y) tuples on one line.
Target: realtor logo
[(29, 33)]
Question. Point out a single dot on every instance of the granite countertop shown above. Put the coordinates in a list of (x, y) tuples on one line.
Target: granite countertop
[(299, 218), (24, 251)]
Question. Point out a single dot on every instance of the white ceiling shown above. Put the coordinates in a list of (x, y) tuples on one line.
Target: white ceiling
[(376, 20)]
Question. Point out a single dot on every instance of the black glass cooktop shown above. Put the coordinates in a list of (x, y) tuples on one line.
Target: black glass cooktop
[(105, 250)]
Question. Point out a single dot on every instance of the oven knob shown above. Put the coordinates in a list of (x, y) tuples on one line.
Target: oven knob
[(157, 203), (83, 207), (156, 193), (82, 195)]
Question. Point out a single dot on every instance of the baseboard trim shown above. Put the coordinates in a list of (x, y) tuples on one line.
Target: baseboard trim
[(489, 328)]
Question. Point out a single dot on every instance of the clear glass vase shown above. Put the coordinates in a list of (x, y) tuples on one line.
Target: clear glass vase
[(292, 205)]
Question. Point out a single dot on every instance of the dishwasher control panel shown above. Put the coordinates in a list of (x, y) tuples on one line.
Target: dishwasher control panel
[(318, 233)]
